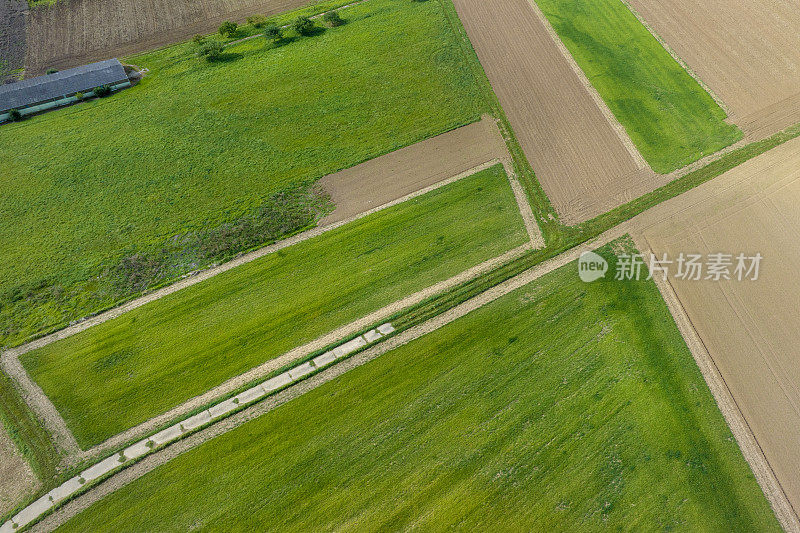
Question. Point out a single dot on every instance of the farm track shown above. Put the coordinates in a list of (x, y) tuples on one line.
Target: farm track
[(747, 52), (127, 476), (75, 32), (420, 168)]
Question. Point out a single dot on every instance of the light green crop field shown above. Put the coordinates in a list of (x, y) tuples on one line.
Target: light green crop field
[(198, 144), (127, 370), (670, 118), (562, 406)]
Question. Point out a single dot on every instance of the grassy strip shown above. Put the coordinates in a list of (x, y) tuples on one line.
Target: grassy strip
[(496, 420), (127, 370), (667, 113), (196, 145), (31, 439)]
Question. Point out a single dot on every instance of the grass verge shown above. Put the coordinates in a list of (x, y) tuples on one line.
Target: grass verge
[(496, 420), (127, 370), (670, 118)]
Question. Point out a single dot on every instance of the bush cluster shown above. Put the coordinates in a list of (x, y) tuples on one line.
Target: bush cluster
[(332, 19), (14, 115), (303, 26), (257, 21), (273, 33), (210, 50), (228, 29), (102, 91)]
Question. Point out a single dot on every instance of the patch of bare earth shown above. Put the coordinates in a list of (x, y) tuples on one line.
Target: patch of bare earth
[(17, 480), (750, 329), (399, 173), (747, 52), (74, 32), (12, 33), (585, 164)]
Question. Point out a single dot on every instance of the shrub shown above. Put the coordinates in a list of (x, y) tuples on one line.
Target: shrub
[(228, 29), (198, 39), (102, 91), (210, 51), (79, 96), (303, 25), (333, 19), (14, 115), (257, 21), (52, 70), (273, 33)]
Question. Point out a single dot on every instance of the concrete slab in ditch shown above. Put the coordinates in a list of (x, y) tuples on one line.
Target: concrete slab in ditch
[(222, 408), (167, 435), (66, 489), (300, 371), (250, 395), (276, 383), (103, 467), (372, 335), (385, 329), (196, 421), (33, 511), (350, 347), (137, 450), (324, 359)]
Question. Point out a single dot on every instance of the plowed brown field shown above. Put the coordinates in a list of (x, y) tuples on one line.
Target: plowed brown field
[(751, 329), (74, 32), (747, 52), (583, 164)]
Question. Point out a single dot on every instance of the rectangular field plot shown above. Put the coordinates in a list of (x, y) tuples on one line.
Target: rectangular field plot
[(668, 115), (747, 51), (127, 370), (561, 406), (751, 329)]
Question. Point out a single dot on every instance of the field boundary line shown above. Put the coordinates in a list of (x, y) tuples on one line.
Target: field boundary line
[(298, 353), (171, 451), (46, 411), (618, 128), (40, 404), (531, 226), (678, 58), (745, 438)]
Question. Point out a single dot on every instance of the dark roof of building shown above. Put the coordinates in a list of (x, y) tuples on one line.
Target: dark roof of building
[(67, 82)]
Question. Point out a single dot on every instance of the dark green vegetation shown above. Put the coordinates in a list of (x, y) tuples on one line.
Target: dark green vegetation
[(195, 146), (668, 115), (496, 421), (127, 370)]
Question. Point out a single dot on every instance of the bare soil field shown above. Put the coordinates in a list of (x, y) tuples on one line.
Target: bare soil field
[(402, 172), (576, 152), (747, 52), (12, 33), (751, 329), (74, 32), (17, 480)]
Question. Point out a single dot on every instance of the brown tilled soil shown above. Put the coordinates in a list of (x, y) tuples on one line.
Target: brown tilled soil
[(394, 175), (579, 157), (74, 32), (747, 52), (751, 329), (17, 480), (12, 32)]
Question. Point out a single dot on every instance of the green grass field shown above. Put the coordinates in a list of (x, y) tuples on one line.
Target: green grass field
[(671, 119), (197, 145), (498, 421), (125, 371)]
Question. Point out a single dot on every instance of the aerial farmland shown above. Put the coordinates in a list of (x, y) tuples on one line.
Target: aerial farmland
[(383, 265)]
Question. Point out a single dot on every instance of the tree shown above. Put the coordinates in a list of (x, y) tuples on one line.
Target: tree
[(102, 91), (210, 51), (303, 25), (198, 39), (333, 19), (228, 29), (273, 33), (14, 115)]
